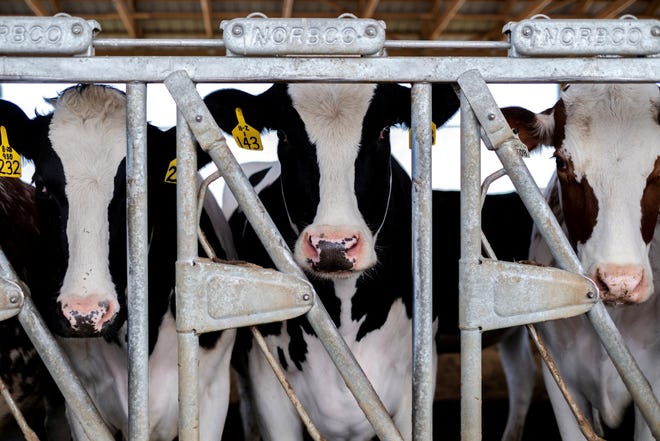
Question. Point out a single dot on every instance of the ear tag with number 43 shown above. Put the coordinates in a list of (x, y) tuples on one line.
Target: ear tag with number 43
[(10, 161), (246, 136), (433, 128)]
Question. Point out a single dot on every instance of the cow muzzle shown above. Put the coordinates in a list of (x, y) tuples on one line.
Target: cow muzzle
[(622, 284), (333, 253), (88, 316)]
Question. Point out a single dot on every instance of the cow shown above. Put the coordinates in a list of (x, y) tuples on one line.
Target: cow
[(607, 195), (343, 205), (79, 151)]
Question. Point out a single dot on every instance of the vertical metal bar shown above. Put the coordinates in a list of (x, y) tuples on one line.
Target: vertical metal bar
[(470, 253), (213, 142), (186, 252), (137, 297), (422, 229), (612, 340)]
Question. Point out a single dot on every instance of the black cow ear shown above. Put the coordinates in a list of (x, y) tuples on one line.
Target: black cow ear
[(17, 129), (259, 111), (397, 103)]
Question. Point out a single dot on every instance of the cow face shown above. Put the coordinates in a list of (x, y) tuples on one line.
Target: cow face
[(79, 153), (607, 150), (334, 151)]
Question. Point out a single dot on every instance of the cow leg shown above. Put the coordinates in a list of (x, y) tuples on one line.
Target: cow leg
[(274, 412), (520, 370), (568, 427)]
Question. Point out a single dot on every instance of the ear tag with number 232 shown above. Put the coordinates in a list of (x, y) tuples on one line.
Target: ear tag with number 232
[(10, 161), (246, 136)]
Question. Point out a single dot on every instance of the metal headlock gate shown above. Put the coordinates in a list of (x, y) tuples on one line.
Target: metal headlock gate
[(61, 49)]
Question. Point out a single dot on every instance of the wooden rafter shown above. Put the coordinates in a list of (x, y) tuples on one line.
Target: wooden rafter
[(206, 17), (287, 8), (583, 7), (441, 24), (37, 8), (125, 17), (652, 8), (615, 9), (369, 9)]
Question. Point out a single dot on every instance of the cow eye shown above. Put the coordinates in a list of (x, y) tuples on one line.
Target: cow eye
[(561, 163), (281, 135), (384, 134)]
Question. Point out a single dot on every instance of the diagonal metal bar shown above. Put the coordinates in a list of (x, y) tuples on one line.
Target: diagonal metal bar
[(208, 134)]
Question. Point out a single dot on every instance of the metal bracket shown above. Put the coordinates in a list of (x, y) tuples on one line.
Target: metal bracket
[(58, 35), (222, 296), (503, 294), (538, 37), (303, 36), (11, 298)]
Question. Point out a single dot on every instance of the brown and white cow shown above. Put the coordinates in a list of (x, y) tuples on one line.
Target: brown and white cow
[(607, 150)]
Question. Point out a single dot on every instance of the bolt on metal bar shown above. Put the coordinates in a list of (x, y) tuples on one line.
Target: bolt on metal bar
[(422, 228), (188, 342), (470, 252), (137, 297), (213, 142)]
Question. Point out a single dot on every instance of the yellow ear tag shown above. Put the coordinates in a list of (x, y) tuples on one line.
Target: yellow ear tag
[(170, 175), (10, 161), (433, 128), (246, 136)]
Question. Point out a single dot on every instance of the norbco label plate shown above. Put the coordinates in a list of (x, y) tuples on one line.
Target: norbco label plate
[(545, 37), (266, 36), (46, 35)]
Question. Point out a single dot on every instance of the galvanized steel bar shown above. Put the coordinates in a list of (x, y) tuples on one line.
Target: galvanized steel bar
[(351, 69), (188, 342), (210, 138), (422, 230), (631, 374), (470, 253), (138, 284)]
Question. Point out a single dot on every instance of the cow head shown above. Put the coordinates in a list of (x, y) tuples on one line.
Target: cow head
[(334, 151), (79, 152), (607, 150)]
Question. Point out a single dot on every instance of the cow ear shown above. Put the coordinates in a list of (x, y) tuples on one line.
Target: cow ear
[(259, 111), (17, 129), (397, 103), (533, 129)]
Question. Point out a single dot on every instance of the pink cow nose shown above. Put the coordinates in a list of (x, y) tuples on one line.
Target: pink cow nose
[(621, 283), (88, 315), (336, 252)]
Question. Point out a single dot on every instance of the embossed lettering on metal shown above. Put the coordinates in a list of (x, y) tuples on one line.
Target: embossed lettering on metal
[(544, 37), (61, 35), (294, 36)]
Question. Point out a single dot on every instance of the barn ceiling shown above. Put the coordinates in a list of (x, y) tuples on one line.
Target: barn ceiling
[(475, 20)]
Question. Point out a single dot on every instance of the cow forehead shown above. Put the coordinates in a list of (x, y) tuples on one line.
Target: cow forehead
[(612, 131), (88, 133)]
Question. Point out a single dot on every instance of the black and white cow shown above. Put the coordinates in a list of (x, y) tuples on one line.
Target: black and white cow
[(607, 195), (343, 205), (79, 151)]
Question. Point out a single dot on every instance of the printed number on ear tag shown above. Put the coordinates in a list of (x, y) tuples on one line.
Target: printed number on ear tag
[(433, 128), (170, 175), (246, 136), (10, 160)]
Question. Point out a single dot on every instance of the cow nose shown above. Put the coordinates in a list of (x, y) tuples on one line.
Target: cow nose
[(88, 315), (621, 283), (335, 252)]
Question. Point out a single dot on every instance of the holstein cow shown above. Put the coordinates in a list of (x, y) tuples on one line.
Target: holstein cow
[(21, 369), (343, 205), (607, 152), (79, 151)]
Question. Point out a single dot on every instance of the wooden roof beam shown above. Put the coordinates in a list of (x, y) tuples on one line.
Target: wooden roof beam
[(206, 17), (369, 9), (652, 7), (444, 20), (37, 8), (615, 9), (287, 8), (124, 16)]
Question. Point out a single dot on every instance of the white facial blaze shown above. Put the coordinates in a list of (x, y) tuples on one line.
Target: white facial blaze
[(333, 115), (88, 133), (613, 139)]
